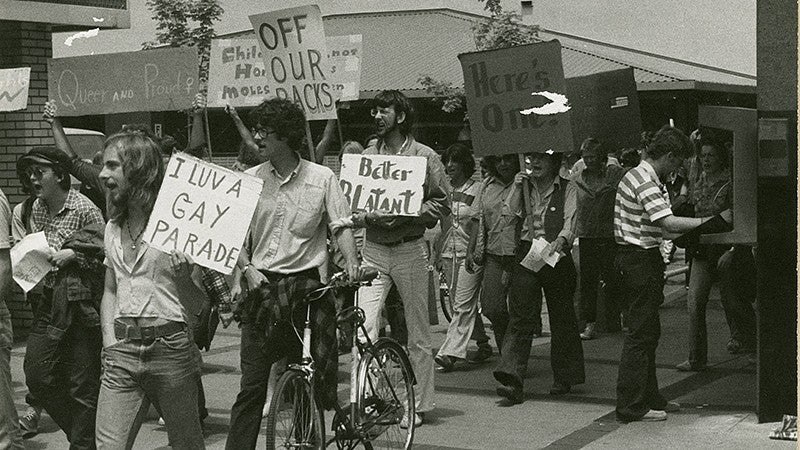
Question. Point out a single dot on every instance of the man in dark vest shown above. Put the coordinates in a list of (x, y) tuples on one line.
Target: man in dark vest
[(550, 216)]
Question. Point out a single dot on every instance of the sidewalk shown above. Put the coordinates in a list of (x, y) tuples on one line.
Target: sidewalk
[(717, 412)]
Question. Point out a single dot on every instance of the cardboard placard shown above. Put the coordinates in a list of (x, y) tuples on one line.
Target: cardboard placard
[(293, 47), (150, 80), (516, 98), (387, 182), (203, 210), (14, 84), (605, 106), (344, 55)]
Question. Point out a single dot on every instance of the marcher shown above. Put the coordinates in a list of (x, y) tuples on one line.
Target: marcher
[(596, 188), (10, 436), (62, 359), (464, 286), (642, 215), (281, 261), (149, 306), (552, 209), (395, 246)]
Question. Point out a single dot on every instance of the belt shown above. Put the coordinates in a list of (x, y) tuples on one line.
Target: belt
[(146, 334), (401, 241)]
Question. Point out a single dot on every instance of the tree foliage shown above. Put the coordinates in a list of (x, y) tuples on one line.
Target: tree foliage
[(186, 23), (501, 30)]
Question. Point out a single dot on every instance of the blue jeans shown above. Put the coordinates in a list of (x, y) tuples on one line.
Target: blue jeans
[(166, 371), (10, 436)]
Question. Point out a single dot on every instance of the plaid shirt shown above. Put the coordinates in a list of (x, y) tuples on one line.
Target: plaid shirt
[(77, 212), (216, 287)]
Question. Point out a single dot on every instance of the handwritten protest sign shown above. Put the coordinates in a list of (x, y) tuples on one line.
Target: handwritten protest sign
[(387, 182), (14, 85), (516, 98), (203, 210), (344, 55), (30, 260), (151, 80), (292, 44)]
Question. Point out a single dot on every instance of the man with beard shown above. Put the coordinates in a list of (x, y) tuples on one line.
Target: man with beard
[(149, 303), (62, 366), (281, 261), (395, 245)]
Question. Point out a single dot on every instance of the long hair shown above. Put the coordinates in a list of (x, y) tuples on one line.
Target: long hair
[(143, 169), (460, 154)]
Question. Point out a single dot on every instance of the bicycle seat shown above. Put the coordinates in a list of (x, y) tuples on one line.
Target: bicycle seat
[(351, 314)]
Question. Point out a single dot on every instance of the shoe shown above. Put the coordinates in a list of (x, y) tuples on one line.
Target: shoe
[(687, 366), (446, 362), (670, 407), (589, 333), (418, 419), (483, 353), (511, 393), (29, 423), (653, 416), (559, 388), (161, 422)]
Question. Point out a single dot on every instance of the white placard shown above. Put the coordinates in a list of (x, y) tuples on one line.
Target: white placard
[(30, 260), (344, 57), (14, 85), (203, 210), (384, 182)]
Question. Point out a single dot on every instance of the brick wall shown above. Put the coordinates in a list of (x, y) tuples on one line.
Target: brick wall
[(23, 44)]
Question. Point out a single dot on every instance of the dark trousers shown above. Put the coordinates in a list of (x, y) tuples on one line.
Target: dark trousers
[(739, 280), (596, 263), (641, 275), (494, 294), (566, 350), (64, 377)]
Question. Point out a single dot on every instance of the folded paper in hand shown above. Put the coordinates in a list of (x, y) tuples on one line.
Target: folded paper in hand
[(537, 256), (30, 260)]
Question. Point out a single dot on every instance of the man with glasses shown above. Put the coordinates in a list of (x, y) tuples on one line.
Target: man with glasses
[(62, 361), (395, 245)]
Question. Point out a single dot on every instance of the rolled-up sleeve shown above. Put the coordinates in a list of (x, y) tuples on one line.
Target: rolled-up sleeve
[(336, 206)]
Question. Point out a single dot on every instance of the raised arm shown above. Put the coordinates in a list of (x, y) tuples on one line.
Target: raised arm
[(50, 115), (244, 133), (325, 143), (197, 136)]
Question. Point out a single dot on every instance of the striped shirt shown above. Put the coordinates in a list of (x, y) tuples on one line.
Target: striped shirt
[(641, 201)]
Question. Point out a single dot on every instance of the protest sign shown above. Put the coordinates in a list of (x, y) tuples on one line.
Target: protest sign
[(605, 106), (150, 80), (344, 55), (292, 43), (30, 260), (387, 182), (14, 85), (516, 98), (203, 210)]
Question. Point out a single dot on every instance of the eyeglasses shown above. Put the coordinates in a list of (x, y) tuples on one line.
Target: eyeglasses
[(37, 171), (382, 111), (261, 133)]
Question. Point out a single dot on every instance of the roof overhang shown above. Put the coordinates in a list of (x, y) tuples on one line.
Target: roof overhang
[(65, 16)]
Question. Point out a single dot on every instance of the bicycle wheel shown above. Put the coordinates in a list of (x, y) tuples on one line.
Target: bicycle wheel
[(386, 396), (294, 419), (446, 298)]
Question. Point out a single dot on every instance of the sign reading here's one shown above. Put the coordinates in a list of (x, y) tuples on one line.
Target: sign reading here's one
[(516, 98), (150, 80), (383, 182), (292, 43), (203, 210)]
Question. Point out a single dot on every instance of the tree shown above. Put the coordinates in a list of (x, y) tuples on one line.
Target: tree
[(501, 30), (186, 23)]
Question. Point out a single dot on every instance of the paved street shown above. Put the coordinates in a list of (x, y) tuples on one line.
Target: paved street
[(717, 413)]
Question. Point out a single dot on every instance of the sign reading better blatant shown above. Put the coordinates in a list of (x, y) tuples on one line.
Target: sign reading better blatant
[(389, 183)]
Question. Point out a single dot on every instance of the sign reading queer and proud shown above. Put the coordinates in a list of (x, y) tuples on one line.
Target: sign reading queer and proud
[(292, 43), (516, 98), (14, 85), (203, 210), (387, 182), (150, 80)]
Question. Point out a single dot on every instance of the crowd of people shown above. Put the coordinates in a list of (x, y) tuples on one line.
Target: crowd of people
[(118, 325)]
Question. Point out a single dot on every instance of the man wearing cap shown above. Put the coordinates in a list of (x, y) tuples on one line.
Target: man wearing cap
[(62, 361)]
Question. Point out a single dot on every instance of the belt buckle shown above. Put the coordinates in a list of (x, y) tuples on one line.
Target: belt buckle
[(148, 334)]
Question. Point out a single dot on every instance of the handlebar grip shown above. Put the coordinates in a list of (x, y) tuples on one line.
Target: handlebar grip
[(370, 273)]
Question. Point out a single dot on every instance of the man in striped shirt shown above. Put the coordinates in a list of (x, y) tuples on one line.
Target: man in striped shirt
[(642, 215)]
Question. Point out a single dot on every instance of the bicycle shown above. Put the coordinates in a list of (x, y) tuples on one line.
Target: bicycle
[(381, 391)]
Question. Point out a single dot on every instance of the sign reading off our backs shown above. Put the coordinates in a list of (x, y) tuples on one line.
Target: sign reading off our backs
[(203, 210), (149, 80), (386, 182), (516, 98)]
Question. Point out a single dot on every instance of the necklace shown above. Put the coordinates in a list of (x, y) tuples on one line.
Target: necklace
[(136, 239)]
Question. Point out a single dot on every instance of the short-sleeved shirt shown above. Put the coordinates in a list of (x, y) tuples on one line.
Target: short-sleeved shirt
[(6, 333), (464, 209), (77, 212), (641, 201), (712, 196), (148, 287), (288, 229), (500, 220)]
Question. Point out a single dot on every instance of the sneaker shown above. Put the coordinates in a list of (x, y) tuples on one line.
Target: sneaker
[(512, 394), (687, 366), (483, 353), (589, 333), (446, 362), (161, 422), (654, 416), (29, 423), (671, 407), (418, 419)]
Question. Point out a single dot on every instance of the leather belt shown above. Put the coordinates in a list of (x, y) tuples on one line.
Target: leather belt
[(401, 241), (146, 334)]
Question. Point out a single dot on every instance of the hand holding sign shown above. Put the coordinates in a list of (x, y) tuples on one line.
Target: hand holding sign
[(387, 185)]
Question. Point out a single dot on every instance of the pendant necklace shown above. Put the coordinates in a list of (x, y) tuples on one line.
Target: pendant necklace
[(134, 240)]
